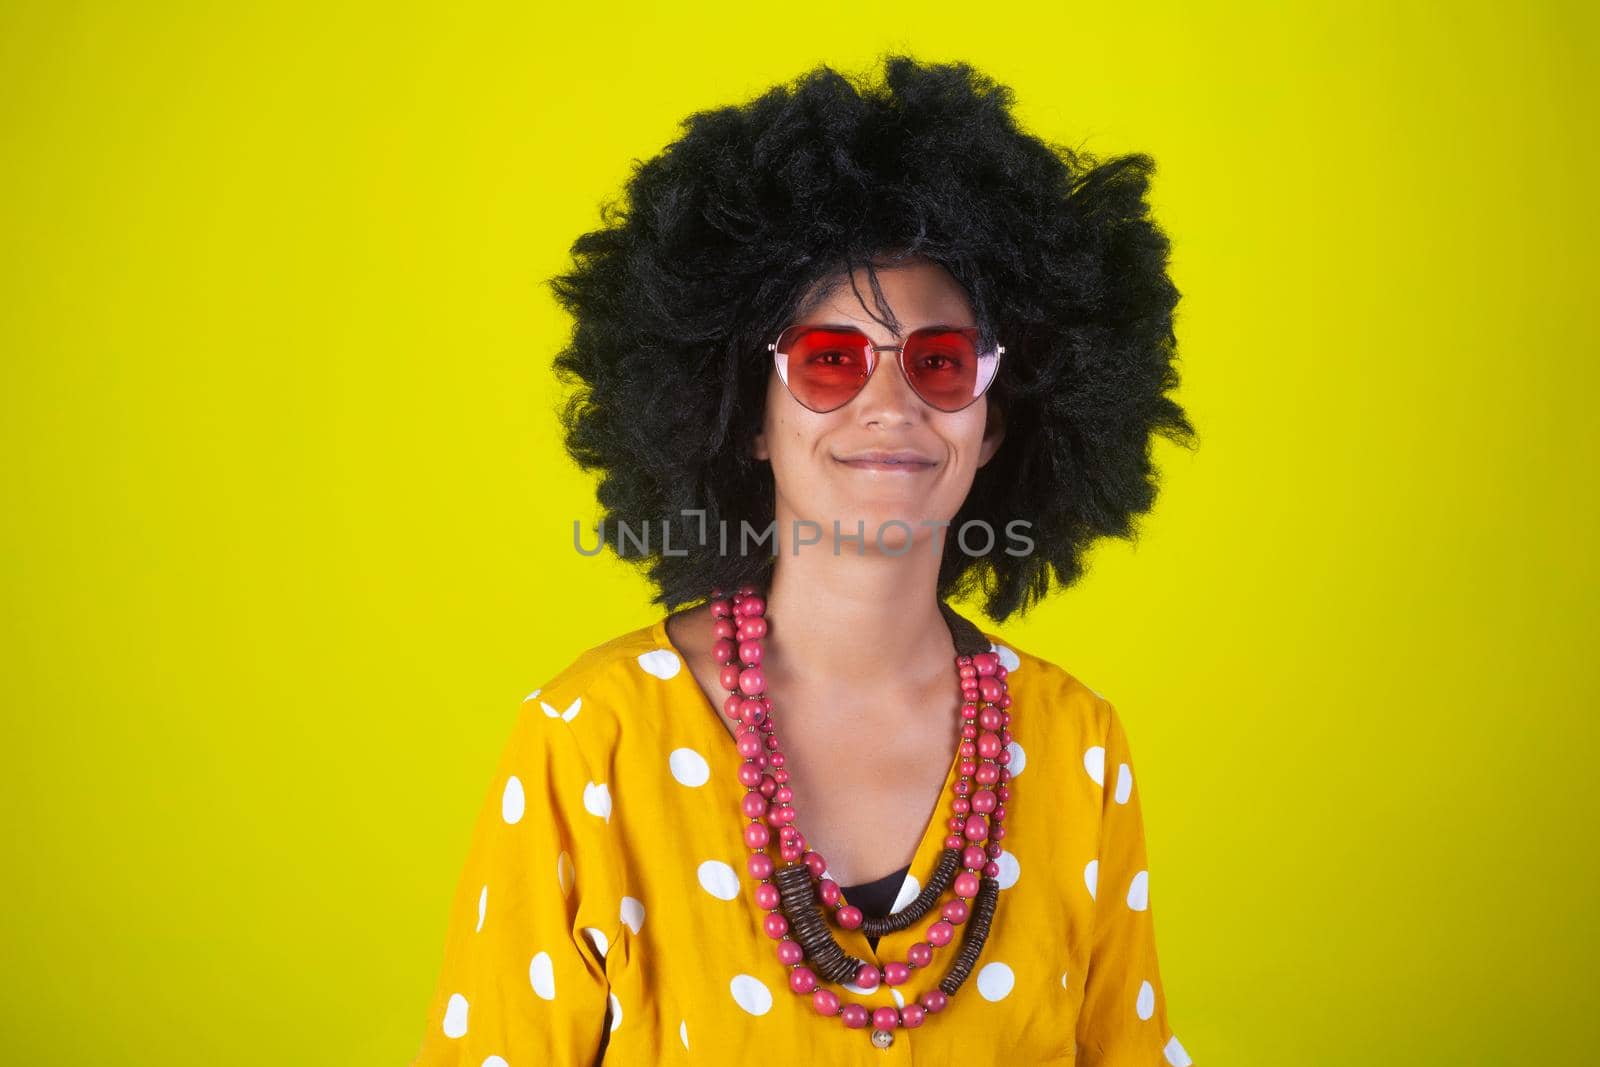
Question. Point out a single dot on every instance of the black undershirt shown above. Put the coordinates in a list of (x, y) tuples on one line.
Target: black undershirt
[(875, 898)]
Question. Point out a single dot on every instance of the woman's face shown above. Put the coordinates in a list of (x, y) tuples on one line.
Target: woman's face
[(811, 454)]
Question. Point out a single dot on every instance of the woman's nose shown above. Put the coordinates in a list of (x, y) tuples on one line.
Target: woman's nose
[(888, 397)]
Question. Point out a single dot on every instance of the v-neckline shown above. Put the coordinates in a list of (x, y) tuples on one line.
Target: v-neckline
[(725, 752)]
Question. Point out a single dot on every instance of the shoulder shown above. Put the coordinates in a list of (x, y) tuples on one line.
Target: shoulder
[(635, 676), (612, 662)]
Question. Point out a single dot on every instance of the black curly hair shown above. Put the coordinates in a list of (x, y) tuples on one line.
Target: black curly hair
[(724, 237)]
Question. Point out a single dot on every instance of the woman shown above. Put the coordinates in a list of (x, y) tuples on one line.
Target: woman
[(814, 811)]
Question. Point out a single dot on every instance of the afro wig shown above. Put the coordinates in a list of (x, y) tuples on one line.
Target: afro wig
[(726, 235)]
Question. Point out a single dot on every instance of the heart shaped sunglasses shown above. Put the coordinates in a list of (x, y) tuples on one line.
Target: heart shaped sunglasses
[(824, 367)]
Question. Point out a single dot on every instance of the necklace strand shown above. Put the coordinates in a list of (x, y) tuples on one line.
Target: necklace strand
[(790, 893)]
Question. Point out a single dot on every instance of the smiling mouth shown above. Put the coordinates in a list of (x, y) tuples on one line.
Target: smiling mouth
[(907, 466)]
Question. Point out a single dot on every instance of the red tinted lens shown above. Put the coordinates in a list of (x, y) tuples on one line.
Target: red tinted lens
[(824, 367), (946, 368)]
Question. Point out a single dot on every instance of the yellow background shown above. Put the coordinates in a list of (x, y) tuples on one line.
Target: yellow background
[(287, 530)]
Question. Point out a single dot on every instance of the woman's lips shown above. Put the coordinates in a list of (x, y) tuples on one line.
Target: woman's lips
[(907, 467)]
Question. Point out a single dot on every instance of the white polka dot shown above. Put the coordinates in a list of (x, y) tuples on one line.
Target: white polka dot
[(1175, 1054), (683, 1032), (661, 662), (511, 801), (483, 903), (718, 879), (899, 1000), (689, 767), (750, 994), (852, 987), (1094, 761), (995, 981), (597, 800), (1008, 658), (566, 716), (1091, 875), (908, 892), (597, 938), (1063, 979), (1019, 759), (496, 1061), (1139, 891), (1010, 870), (616, 1010), (455, 1016), (1145, 1003), (566, 874), (542, 975), (1124, 783), (632, 913), (531, 695)]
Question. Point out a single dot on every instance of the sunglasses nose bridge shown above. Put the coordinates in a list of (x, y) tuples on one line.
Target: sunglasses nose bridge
[(904, 389)]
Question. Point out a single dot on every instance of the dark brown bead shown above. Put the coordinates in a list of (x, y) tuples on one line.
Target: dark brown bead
[(797, 896), (943, 875)]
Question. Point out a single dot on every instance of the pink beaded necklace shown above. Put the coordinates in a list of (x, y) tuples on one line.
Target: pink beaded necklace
[(789, 893)]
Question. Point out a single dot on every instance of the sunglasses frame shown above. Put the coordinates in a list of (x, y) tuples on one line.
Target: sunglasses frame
[(874, 362)]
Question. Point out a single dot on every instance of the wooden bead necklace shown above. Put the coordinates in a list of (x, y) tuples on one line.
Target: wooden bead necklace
[(968, 867)]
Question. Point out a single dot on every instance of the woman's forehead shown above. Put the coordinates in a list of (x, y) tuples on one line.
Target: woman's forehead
[(917, 292)]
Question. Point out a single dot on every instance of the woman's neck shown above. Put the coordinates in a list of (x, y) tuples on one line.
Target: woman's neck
[(867, 624)]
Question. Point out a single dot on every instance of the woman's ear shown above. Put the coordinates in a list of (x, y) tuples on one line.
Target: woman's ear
[(994, 431)]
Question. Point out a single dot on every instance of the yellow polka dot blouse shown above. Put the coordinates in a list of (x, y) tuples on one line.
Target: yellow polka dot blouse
[(604, 905)]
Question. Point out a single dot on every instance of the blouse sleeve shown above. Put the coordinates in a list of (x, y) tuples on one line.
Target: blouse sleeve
[(534, 912), (1123, 1019)]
